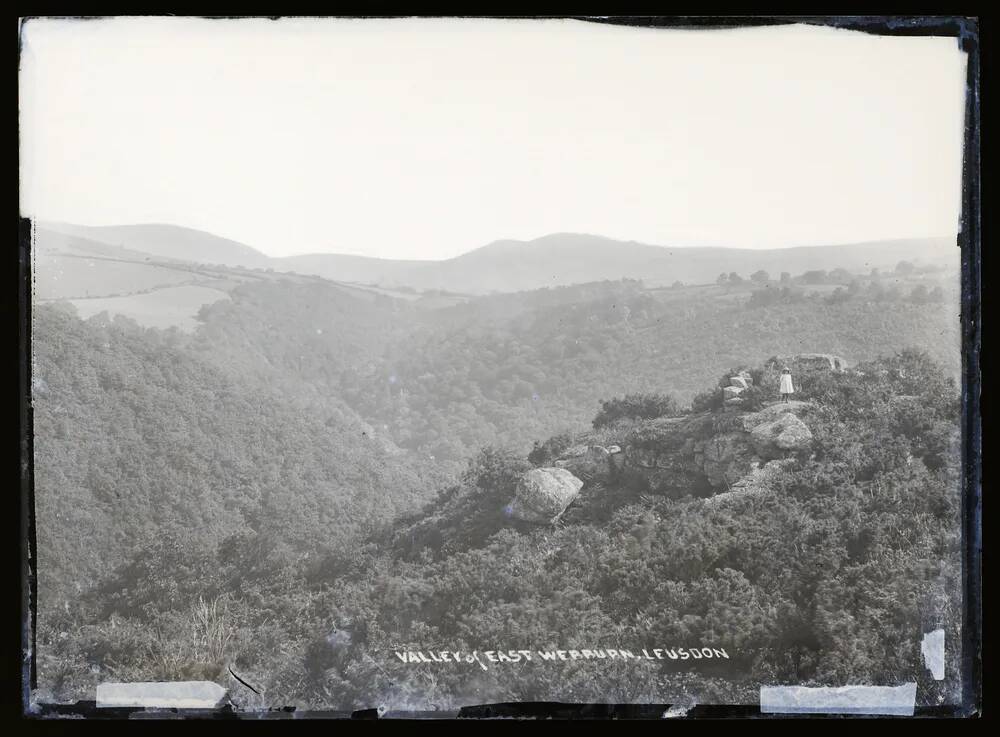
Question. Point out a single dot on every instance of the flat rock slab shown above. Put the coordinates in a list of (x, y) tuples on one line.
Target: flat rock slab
[(161, 694), (773, 411)]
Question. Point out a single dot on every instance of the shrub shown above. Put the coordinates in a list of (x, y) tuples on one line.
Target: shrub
[(753, 398), (816, 276), (495, 470), (636, 407), (542, 453), (613, 434), (769, 295), (707, 401)]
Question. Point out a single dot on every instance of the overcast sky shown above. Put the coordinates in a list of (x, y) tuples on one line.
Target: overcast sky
[(427, 138)]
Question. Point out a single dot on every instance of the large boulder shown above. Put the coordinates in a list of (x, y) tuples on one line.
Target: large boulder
[(543, 494), (777, 438)]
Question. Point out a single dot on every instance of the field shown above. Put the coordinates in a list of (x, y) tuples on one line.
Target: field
[(161, 308)]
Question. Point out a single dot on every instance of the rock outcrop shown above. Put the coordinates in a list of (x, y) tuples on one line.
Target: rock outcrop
[(668, 453), (706, 453), (775, 439), (575, 451), (724, 458), (772, 412), (543, 494), (813, 360), (596, 460), (702, 454), (731, 392), (737, 385), (760, 480)]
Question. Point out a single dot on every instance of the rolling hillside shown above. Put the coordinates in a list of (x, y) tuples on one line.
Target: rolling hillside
[(512, 266), (318, 473), (168, 242), (569, 258)]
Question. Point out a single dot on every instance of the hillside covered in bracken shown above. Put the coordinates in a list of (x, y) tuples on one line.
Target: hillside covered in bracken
[(311, 482)]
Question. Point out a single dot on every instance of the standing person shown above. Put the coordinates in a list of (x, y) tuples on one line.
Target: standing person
[(786, 387)]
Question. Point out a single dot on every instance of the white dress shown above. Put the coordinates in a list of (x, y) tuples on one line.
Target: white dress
[(786, 384)]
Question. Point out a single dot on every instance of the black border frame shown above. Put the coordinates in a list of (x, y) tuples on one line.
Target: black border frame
[(966, 31)]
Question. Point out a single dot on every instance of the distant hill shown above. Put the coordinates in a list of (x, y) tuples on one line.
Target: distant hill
[(67, 266), (569, 258), (362, 269), (169, 242), (512, 266)]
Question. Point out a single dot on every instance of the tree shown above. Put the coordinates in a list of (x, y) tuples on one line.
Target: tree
[(785, 277), (904, 268), (839, 295), (919, 295), (815, 276), (721, 278), (542, 453), (760, 277), (495, 469), (842, 276), (735, 278), (753, 398), (636, 407)]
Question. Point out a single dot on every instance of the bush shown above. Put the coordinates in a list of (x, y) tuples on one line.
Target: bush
[(495, 470), (707, 401), (542, 453), (753, 398), (816, 276), (613, 434), (636, 407), (774, 295)]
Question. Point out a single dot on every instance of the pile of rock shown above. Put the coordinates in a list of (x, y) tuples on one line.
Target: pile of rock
[(737, 385)]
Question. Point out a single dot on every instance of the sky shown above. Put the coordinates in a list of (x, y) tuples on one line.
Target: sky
[(426, 138)]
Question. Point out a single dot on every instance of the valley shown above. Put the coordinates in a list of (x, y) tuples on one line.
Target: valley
[(293, 477)]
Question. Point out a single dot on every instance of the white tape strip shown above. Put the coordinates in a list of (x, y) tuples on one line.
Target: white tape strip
[(932, 648), (889, 700), (161, 694)]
